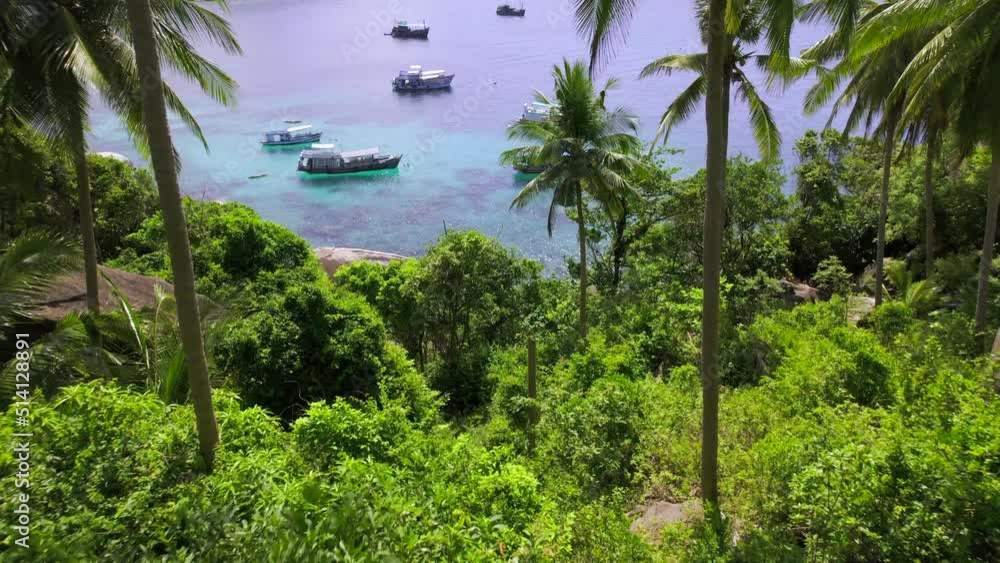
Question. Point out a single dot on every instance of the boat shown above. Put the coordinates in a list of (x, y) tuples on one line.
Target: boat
[(403, 30), (326, 159), (525, 168), (508, 10), (536, 111), (416, 79), (299, 135)]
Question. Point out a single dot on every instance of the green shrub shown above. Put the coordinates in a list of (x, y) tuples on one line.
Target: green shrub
[(326, 432), (124, 197), (889, 320), (593, 435), (234, 251), (307, 344), (832, 277)]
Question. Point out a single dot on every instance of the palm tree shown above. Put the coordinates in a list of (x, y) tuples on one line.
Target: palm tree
[(50, 68), (587, 149), (29, 265), (870, 83), (604, 23), (749, 33), (154, 113), (956, 58)]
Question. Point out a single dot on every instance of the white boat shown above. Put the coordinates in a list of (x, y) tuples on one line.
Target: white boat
[(298, 135), (416, 78), (326, 159)]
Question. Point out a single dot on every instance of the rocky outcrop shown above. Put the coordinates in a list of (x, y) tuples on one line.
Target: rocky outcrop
[(69, 294), (796, 293), (654, 516), (333, 258)]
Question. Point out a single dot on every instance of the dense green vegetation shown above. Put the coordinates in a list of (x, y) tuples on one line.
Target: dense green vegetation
[(790, 376)]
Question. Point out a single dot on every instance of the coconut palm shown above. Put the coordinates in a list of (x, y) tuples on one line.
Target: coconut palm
[(587, 149), (960, 58), (604, 23), (51, 54), (29, 265), (154, 117), (868, 93), (748, 34)]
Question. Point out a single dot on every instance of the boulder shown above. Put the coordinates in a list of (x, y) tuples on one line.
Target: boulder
[(69, 294), (654, 516), (796, 293), (333, 258)]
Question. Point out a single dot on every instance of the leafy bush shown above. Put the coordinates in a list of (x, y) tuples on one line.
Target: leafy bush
[(832, 277), (124, 197), (307, 344), (233, 250), (116, 475)]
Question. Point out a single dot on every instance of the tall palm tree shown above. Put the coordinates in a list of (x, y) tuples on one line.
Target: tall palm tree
[(154, 114), (54, 53), (588, 150), (604, 23), (748, 34), (962, 57), (870, 83)]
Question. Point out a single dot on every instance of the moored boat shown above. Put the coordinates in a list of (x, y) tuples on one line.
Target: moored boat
[(536, 111), (299, 135), (525, 168), (508, 10), (326, 159), (404, 30), (415, 79)]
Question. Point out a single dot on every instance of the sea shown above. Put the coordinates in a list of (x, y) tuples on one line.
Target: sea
[(328, 63)]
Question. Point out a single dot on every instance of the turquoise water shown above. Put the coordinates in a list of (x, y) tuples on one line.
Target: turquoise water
[(326, 62)]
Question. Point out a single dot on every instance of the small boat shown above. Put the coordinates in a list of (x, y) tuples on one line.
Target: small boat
[(416, 79), (508, 10), (257, 176), (536, 111), (299, 135), (403, 30), (525, 168), (325, 159), (293, 121)]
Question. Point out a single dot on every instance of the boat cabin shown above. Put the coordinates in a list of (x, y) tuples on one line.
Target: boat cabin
[(326, 157)]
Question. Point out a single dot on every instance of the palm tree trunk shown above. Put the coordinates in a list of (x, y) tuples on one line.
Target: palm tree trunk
[(154, 114), (715, 198), (989, 240), (86, 223), (582, 235), (883, 204), (932, 142)]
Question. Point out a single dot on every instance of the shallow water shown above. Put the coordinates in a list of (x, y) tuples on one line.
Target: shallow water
[(327, 63)]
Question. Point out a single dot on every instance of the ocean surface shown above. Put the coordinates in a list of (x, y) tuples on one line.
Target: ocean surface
[(327, 63)]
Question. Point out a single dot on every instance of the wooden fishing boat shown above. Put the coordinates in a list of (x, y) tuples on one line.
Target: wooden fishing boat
[(403, 30), (508, 10), (299, 135), (417, 79), (326, 159)]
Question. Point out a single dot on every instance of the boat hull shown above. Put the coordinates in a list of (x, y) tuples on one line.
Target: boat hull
[(385, 163), (530, 169), (411, 34), (510, 12), (420, 86), (305, 139)]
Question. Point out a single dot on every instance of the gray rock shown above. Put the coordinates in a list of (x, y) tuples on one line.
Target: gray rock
[(333, 258)]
